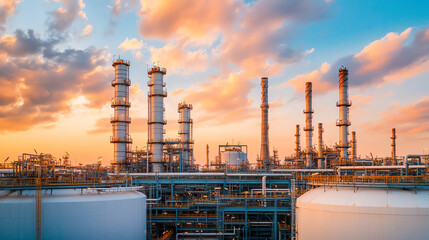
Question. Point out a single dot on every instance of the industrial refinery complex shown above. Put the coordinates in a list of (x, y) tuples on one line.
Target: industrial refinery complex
[(158, 192)]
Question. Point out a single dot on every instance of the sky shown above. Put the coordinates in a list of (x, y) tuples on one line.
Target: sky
[(56, 55)]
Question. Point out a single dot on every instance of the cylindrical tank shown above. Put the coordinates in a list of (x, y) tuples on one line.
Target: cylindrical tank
[(362, 213), (234, 157), (73, 214)]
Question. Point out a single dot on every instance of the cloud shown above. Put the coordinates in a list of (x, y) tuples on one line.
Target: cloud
[(42, 81), (7, 7), (177, 59), (63, 18), (409, 119), (121, 6), (164, 19), (385, 60), (130, 44), (316, 77), (223, 100), (87, 30)]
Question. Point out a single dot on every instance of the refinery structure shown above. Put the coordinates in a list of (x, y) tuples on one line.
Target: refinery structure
[(158, 192)]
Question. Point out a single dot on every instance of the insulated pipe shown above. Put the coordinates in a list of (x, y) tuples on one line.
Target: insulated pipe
[(185, 123), (320, 150), (394, 145), (156, 116), (354, 146), (265, 154), (343, 104), (297, 143), (264, 185), (308, 123), (120, 103)]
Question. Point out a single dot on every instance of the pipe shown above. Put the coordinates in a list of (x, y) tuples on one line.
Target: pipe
[(204, 234), (308, 124), (412, 156), (264, 185), (354, 145), (343, 104), (265, 154), (156, 116), (297, 143), (120, 103), (207, 157), (215, 174), (394, 146)]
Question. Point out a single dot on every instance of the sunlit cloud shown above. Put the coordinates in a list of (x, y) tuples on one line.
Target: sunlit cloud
[(130, 44)]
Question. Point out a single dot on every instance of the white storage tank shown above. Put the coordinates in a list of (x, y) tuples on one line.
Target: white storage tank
[(234, 157), (362, 213), (73, 214)]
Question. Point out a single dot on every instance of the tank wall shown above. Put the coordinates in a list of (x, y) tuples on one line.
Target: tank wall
[(68, 215), (364, 214)]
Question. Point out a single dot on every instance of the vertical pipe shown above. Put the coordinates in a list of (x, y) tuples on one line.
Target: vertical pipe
[(394, 146), (308, 124), (264, 157), (297, 143), (320, 146), (156, 120), (354, 146), (264, 185), (185, 122), (343, 104), (121, 120)]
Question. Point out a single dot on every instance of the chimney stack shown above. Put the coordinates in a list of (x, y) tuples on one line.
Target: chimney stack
[(265, 155), (343, 104), (308, 124), (297, 142), (394, 146)]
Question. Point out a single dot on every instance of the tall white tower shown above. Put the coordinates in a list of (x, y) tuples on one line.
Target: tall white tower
[(121, 120), (156, 120), (343, 104), (185, 133)]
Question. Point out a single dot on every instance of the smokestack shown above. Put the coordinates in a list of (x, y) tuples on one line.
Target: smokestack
[(156, 120), (297, 142), (394, 145), (354, 146), (120, 103), (343, 105), (185, 123), (265, 154), (308, 123), (207, 156), (320, 150)]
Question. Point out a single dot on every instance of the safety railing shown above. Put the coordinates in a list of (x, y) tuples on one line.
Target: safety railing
[(346, 179)]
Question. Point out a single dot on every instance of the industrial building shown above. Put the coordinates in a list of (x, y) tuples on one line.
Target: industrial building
[(157, 192)]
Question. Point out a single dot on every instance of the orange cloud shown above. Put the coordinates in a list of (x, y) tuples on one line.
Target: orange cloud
[(316, 77), (87, 30), (130, 44), (63, 18), (400, 118), (176, 59), (7, 7)]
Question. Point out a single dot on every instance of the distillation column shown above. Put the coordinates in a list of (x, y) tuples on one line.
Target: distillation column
[(354, 146), (394, 145), (185, 123), (207, 157), (308, 124), (320, 146), (120, 103), (265, 154), (343, 106), (297, 142), (156, 120)]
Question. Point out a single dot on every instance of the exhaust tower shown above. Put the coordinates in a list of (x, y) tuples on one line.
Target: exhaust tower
[(121, 120), (265, 154), (354, 146), (343, 104), (297, 142), (185, 133), (394, 145), (156, 120), (308, 124)]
